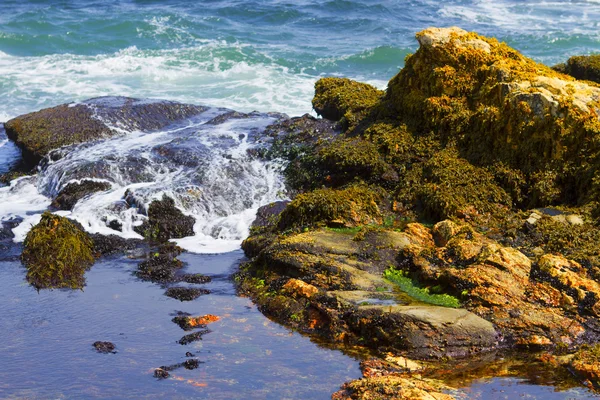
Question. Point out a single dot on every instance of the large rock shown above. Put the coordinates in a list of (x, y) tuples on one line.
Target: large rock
[(500, 106), (40, 132), (331, 283)]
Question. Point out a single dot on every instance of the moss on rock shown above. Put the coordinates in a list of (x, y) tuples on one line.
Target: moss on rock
[(344, 100), (353, 206), (57, 253), (582, 67)]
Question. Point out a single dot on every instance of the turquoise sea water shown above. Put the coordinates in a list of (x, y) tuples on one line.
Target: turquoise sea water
[(249, 55)]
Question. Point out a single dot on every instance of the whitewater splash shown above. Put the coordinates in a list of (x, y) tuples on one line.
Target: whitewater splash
[(203, 163)]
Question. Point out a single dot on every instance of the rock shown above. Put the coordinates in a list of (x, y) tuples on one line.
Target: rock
[(107, 245), (296, 287), (392, 387), (425, 331), (188, 323), (165, 221), (57, 253), (104, 347), (160, 373), (520, 100), (193, 337), (269, 214), (343, 99), (349, 207), (185, 293), (40, 132), (75, 191), (574, 219), (443, 232), (582, 67), (160, 268), (571, 277), (586, 364)]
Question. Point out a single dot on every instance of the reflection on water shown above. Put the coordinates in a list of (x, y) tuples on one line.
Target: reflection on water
[(46, 348)]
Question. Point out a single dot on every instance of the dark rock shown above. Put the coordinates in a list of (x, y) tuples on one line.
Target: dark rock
[(112, 244), (185, 293), (75, 191), (159, 268), (191, 364), (267, 215), (160, 373), (195, 278), (104, 347), (193, 337), (40, 132), (582, 67), (166, 222)]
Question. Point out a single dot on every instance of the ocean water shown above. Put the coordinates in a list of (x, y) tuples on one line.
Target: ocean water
[(249, 55)]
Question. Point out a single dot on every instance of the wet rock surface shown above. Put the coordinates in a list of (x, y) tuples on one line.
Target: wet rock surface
[(40, 132), (73, 192), (165, 222), (185, 293)]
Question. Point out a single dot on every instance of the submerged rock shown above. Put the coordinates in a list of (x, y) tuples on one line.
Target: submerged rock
[(75, 191), (185, 293), (40, 132), (104, 347), (57, 253)]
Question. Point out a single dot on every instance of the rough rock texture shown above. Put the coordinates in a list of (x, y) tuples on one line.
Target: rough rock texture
[(582, 67), (40, 132), (75, 191), (330, 283), (57, 253), (165, 221), (586, 364)]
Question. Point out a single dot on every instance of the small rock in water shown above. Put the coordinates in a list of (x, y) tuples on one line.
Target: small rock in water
[(188, 323), (195, 278), (191, 364), (185, 293), (193, 337), (104, 347), (160, 373)]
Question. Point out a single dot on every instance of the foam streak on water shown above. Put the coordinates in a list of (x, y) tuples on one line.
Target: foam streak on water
[(204, 166)]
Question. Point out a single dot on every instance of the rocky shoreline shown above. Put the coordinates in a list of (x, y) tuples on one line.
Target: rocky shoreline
[(453, 216)]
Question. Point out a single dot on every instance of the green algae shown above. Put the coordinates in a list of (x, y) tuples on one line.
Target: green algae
[(408, 286), (57, 253)]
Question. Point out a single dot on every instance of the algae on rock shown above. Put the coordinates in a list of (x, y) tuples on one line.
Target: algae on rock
[(57, 253)]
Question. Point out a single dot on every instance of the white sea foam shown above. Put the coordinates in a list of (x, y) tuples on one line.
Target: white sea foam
[(207, 171), (201, 74), (538, 18)]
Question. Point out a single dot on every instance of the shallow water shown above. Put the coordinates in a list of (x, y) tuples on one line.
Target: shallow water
[(46, 348)]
